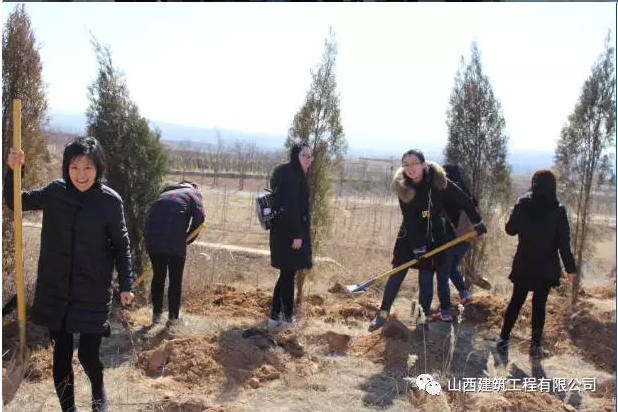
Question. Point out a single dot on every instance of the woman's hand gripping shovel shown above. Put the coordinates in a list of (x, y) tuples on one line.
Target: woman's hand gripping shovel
[(19, 360), (363, 286)]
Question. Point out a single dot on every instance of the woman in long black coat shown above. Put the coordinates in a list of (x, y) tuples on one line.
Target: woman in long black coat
[(83, 236), (290, 241), (541, 224)]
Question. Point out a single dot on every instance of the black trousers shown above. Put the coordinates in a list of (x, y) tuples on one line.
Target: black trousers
[(161, 263), (283, 296), (539, 301), (88, 355)]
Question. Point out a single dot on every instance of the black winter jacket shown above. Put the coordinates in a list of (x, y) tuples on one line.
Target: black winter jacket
[(543, 230), (455, 175), (425, 223), (83, 235), (172, 217), (292, 196)]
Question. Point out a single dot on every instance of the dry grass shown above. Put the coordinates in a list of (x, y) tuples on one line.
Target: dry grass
[(340, 367)]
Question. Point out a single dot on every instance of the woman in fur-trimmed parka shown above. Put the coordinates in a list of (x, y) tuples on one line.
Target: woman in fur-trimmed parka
[(423, 190)]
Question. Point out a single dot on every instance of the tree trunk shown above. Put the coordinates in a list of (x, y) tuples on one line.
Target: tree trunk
[(300, 283)]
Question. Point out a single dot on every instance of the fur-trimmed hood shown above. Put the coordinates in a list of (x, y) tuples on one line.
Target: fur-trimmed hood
[(406, 192)]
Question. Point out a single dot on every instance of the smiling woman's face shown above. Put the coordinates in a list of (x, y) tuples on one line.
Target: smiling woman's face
[(82, 173), (413, 167)]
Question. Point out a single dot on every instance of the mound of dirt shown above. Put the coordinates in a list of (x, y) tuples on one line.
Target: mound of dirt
[(606, 389), (338, 288), (516, 401), (592, 335), (600, 292), (188, 360), (217, 360), (423, 401), (595, 336), (228, 301), (336, 342), (315, 300), (317, 311), (362, 308), (395, 343), (37, 337), (486, 311), (191, 405), (40, 364)]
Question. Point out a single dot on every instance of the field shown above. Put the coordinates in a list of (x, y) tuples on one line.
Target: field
[(219, 360)]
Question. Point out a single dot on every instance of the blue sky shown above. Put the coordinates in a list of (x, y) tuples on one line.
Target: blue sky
[(245, 66)]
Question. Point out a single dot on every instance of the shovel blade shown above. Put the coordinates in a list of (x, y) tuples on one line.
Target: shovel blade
[(481, 282), (357, 289), (15, 373)]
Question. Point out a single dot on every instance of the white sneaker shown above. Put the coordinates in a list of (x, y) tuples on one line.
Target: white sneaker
[(294, 324), (272, 324)]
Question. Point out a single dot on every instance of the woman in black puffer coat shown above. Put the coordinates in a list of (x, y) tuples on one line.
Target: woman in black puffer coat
[(290, 240), (83, 236), (541, 224), (424, 191)]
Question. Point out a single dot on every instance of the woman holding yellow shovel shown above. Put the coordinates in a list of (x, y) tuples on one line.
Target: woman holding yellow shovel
[(83, 236), (423, 190)]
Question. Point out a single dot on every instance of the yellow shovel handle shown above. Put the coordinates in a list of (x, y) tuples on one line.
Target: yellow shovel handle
[(17, 216), (429, 254)]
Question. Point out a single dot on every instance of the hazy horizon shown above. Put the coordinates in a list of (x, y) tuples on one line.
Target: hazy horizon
[(245, 67)]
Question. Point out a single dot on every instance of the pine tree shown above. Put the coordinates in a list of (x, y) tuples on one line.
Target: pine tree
[(136, 160), (318, 123), (582, 157), (22, 78), (477, 141)]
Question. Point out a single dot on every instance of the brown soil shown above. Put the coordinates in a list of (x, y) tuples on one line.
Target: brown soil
[(600, 292), (396, 342), (336, 342), (595, 336), (581, 330), (228, 301), (218, 360), (511, 401), (193, 405), (235, 358), (359, 308), (338, 288)]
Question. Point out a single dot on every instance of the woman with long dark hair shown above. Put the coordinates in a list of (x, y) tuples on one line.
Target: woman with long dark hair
[(290, 240), (542, 226), (83, 236)]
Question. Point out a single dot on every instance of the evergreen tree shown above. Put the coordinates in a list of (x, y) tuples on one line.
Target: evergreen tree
[(318, 123), (136, 160), (22, 78), (582, 157), (477, 141)]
